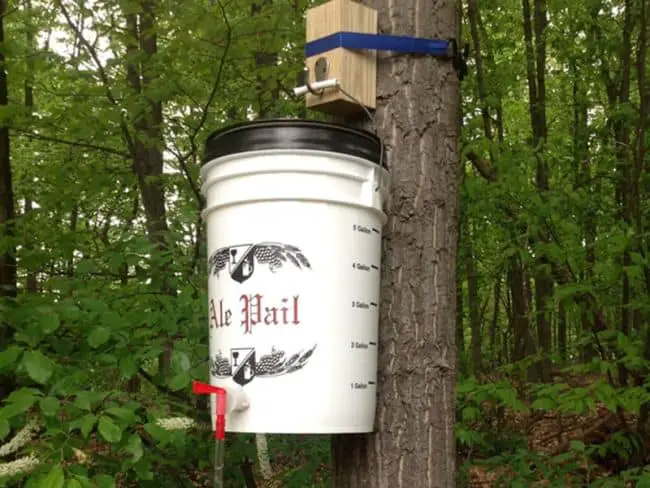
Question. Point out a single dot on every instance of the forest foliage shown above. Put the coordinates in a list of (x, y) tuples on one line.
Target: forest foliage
[(104, 107)]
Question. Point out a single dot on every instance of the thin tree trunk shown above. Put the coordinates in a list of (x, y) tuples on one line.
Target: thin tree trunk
[(535, 48), (263, 457), (460, 313), (8, 258), (268, 89), (494, 324), (31, 284), (8, 287), (473, 303), (522, 340), (562, 332), (626, 187), (147, 147), (639, 159)]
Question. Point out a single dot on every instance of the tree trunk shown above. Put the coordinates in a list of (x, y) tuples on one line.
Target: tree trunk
[(268, 89), (494, 325), (31, 284), (535, 22), (473, 302), (417, 118), (562, 332), (624, 169), (147, 146), (522, 339), (460, 313), (8, 258)]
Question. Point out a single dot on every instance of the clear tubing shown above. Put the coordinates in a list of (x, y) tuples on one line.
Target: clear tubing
[(220, 430), (219, 451)]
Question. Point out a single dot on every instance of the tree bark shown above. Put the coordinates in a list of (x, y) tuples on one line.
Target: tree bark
[(521, 336), (624, 167), (473, 302), (562, 332), (494, 325), (536, 22), (417, 118), (31, 284), (268, 89), (8, 287), (147, 142), (8, 258), (460, 312)]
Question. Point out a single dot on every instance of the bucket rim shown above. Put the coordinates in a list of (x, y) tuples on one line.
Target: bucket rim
[(296, 134)]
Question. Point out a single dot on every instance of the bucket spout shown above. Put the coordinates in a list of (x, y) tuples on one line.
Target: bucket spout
[(236, 399)]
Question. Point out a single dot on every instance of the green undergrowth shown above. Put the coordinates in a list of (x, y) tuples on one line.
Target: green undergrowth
[(500, 428)]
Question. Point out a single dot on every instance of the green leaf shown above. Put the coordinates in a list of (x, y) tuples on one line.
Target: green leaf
[(11, 410), (112, 319), (109, 430), (87, 399), (25, 397), (104, 481), (543, 403), (88, 422), (576, 445), (19, 402), (179, 381), (5, 428), (143, 469), (73, 484), (122, 413), (98, 337), (158, 433), (128, 366), (39, 368), (49, 406), (643, 482), (35, 481), (9, 357), (55, 478), (471, 414), (180, 362), (49, 323), (134, 447)]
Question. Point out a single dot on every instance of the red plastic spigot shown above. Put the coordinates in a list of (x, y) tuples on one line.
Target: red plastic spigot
[(199, 388)]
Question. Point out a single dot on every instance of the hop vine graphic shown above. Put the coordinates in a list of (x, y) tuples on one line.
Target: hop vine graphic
[(220, 365), (241, 259), (269, 362), (276, 363)]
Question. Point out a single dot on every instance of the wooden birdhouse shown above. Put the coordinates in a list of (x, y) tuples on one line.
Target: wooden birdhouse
[(355, 70)]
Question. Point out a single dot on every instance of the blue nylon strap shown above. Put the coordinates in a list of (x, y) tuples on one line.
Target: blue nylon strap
[(378, 42)]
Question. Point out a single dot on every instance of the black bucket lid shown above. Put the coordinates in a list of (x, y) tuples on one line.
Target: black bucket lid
[(264, 135)]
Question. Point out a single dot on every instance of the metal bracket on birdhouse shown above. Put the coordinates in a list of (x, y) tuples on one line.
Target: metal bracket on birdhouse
[(316, 88)]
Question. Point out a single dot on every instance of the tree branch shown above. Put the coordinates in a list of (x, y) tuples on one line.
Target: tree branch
[(102, 74), (182, 161), (80, 144), (483, 166)]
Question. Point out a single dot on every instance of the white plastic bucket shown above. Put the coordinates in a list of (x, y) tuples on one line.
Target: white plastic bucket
[(294, 218)]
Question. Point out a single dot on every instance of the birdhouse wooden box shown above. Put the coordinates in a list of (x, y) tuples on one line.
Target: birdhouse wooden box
[(355, 70)]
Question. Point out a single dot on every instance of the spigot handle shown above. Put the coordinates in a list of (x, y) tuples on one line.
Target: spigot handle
[(199, 388)]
